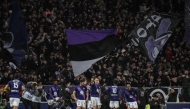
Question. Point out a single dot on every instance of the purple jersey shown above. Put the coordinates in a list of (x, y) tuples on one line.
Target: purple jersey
[(15, 87), (114, 93), (81, 92), (131, 95), (95, 90), (53, 91)]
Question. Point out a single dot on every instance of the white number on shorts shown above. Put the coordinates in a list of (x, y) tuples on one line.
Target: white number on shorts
[(15, 85), (114, 90)]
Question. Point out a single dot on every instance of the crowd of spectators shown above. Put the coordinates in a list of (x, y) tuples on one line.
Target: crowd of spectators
[(48, 57)]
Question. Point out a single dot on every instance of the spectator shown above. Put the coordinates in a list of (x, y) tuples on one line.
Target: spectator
[(143, 98), (172, 96), (154, 104), (161, 101), (5, 79), (185, 85)]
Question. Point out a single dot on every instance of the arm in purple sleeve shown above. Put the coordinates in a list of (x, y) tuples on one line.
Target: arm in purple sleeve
[(137, 94), (119, 94), (125, 98), (58, 92), (50, 93)]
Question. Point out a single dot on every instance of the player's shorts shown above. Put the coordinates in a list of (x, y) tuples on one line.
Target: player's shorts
[(95, 101), (50, 102), (114, 104), (81, 103), (132, 104), (14, 101), (89, 105)]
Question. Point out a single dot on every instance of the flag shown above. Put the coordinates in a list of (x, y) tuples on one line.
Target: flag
[(187, 21), (155, 91), (18, 54), (89, 46), (17, 34), (16, 37), (152, 34)]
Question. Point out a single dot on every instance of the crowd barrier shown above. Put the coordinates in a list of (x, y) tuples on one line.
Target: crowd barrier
[(170, 105), (181, 105)]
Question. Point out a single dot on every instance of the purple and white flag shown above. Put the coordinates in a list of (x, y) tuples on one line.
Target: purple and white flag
[(89, 46), (152, 34)]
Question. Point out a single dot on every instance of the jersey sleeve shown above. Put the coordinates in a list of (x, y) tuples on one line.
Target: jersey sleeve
[(50, 93), (58, 92), (137, 94), (119, 93)]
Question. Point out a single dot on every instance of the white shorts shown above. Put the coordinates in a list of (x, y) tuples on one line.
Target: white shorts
[(95, 101), (81, 103), (89, 105), (50, 102), (114, 104), (132, 104), (14, 101)]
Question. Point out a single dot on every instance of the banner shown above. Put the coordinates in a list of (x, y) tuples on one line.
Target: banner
[(154, 91), (187, 21), (152, 34), (177, 105)]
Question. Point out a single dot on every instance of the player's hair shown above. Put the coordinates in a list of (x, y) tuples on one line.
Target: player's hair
[(17, 76), (115, 81), (96, 78), (82, 80)]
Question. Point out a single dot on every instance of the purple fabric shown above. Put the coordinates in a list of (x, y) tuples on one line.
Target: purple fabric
[(163, 28), (187, 21), (84, 36), (153, 45), (79, 89)]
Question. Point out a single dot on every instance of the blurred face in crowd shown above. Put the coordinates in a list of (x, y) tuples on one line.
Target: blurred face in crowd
[(160, 73), (186, 72), (11, 76), (35, 57), (6, 74), (155, 98), (96, 81), (166, 73), (159, 79), (151, 77)]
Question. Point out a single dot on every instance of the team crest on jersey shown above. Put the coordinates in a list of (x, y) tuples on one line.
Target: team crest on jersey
[(98, 90), (131, 96), (81, 92)]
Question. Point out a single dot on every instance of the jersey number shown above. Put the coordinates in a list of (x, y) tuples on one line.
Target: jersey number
[(15, 85), (114, 90)]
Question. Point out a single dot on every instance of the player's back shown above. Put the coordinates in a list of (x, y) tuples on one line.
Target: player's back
[(114, 93), (15, 87)]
